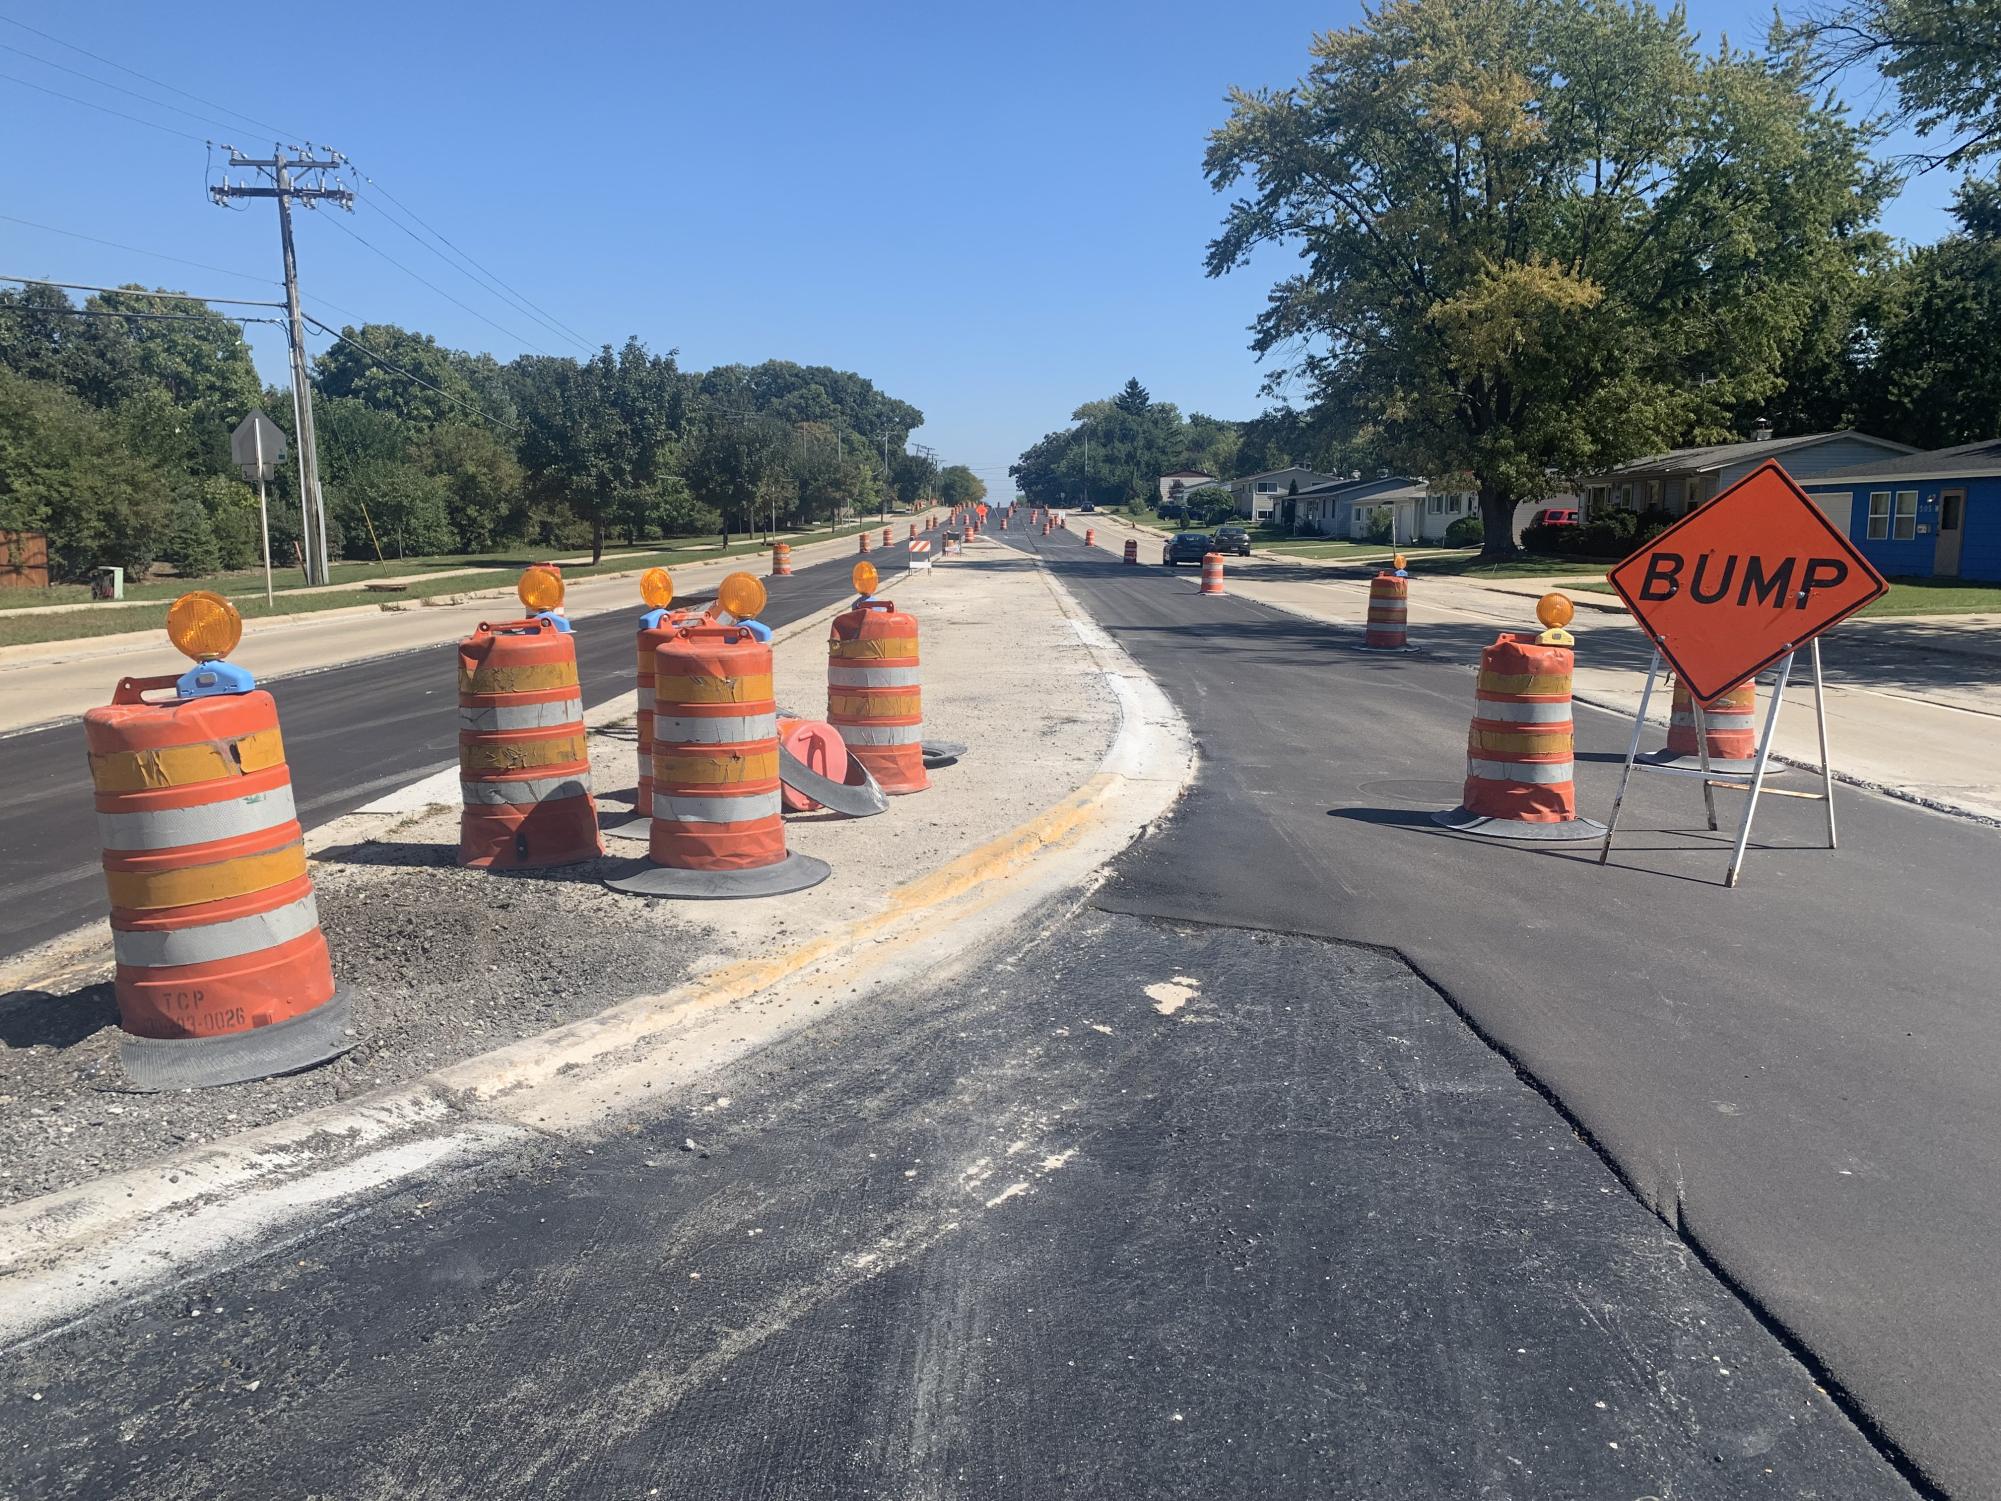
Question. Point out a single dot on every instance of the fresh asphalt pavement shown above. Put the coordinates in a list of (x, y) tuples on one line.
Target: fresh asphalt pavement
[(1122, 1207), (1798, 1074), (351, 733)]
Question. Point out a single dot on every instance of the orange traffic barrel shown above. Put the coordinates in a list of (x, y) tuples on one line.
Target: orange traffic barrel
[(1132, 551), (1520, 770), (863, 539), (874, 697), (781, 560), (655, 626), (523, 768), (1090, 536), (222, 974), (885, 536), (1729, 725), (913, 531), (1045, 528), (1389, 613), (717, 807), (1212, 573)]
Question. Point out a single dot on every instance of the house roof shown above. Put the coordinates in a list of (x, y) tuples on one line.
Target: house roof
[(1188, 474), (1243, 479), (1722, 455), (1967, 461), (1398, 482)]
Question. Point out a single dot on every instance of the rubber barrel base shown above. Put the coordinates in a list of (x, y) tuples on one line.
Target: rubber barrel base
[(1384, 651), (942, 752), (796, 872), (634, 826), (156, 1065), (858, 797), (1666, 760), (1570, 830)]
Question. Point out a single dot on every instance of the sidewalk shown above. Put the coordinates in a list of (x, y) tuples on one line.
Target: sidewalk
[(55, 680), (1913, 704)]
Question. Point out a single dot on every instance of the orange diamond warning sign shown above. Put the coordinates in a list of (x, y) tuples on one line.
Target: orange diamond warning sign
[(1735, 585)]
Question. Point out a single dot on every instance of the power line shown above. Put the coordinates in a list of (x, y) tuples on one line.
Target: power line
[(156, 82), (115, 88), (134, 249), (495, 286), (80, 286), (389, 364), (107, 109), (438, 289), (89, 312)]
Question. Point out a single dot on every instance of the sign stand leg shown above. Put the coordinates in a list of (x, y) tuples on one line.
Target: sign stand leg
[(1826, 766), (1758, 773), (1632, 754), (1702, 756)]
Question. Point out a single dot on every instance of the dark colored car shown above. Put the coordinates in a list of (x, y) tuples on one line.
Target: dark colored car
[(1233, 539), (1186, 547)]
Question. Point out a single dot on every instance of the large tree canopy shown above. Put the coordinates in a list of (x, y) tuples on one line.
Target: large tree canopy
[(1540, 236)]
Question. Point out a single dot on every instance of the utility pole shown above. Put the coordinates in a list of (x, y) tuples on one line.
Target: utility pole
[(279, 169)]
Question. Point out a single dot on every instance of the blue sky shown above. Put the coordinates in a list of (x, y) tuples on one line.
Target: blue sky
[(994, 213)]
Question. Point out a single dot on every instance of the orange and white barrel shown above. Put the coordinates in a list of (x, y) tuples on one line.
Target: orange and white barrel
[(1520, 747), (523, 769), (1045, 528), (1132, 551), (1090, 536), (781, 560), (874, 693), (1389, 613), (1212, 573), (913, 531), (715, 800), (885, 536), (862, 538), (669, 623), (214, 928), (1729, 722)]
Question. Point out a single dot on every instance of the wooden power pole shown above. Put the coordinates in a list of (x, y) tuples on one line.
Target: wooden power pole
[(285, 187)]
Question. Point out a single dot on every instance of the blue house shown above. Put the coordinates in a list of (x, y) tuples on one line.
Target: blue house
[(1926, 515)]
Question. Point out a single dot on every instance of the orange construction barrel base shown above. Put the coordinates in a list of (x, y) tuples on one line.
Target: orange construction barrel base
[(898, 769), (529, 836)]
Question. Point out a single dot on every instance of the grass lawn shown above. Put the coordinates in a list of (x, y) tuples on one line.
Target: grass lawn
[(1331, 547), (1906, 597), (460, 576), (1468, 565)]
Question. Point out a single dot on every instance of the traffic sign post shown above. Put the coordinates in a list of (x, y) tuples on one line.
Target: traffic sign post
[(257, 445), (1740, 585)]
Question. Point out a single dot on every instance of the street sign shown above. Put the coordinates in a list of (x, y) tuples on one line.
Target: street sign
[(257, 444), (1738, 583)]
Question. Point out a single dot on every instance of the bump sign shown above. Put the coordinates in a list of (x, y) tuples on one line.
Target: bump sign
[(1736, 584)]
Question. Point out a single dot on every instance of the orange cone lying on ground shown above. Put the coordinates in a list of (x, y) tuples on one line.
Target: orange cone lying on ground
[(1520, 748), (222, 973)]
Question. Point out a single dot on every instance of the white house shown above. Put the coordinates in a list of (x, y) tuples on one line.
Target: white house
[(1346, 507), (1183, 482), (1262, 496)]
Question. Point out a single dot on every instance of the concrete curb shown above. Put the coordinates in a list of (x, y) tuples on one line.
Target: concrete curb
[(66, 1256)]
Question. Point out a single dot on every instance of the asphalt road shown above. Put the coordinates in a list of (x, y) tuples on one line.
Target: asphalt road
[(1799, 1074), (351, 734), (1132, 1209)]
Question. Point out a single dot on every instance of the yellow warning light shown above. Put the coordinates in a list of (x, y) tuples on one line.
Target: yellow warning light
[(656, 587), (864, 577), (203, 626), (1397, 562), (741, 595), (540, 588), (1554, 609)]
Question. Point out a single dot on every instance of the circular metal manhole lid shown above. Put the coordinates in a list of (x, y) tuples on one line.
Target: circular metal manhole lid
[(1418, 794)]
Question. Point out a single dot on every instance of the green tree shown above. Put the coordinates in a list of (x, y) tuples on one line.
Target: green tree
[(64, 471), (1943, 57), (358, 367), (1539, 236), (483, 482), (729, 463), (959, 486), (912, 477), (190, 541)]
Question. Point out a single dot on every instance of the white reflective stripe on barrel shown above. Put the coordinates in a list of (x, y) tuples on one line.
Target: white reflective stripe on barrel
[(169, 828), (1684, 719), (874, 677), (881, 734), (1519, 771), (731, 729), (530, 790), (558, 711), (161, 948), (1515, 713), (675, 808)]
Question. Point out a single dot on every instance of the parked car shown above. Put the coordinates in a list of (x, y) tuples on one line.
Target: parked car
[(1186, 547), (1233, 539), (1555, 516)]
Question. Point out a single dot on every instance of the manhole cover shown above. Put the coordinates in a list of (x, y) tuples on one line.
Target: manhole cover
[(1418, 794)]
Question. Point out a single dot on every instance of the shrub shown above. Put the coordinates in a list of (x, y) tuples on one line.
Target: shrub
[(1466, 531), (1378, 527), (190, 542)]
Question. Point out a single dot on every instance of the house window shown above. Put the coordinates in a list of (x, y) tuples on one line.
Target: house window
[(1905, 526), (1879, 515), (1435, 504), (1594, 501), (1626, 496), (1653, 495), (1267, 486)]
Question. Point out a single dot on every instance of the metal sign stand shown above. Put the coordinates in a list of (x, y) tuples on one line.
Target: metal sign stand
[(1756, 786)]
